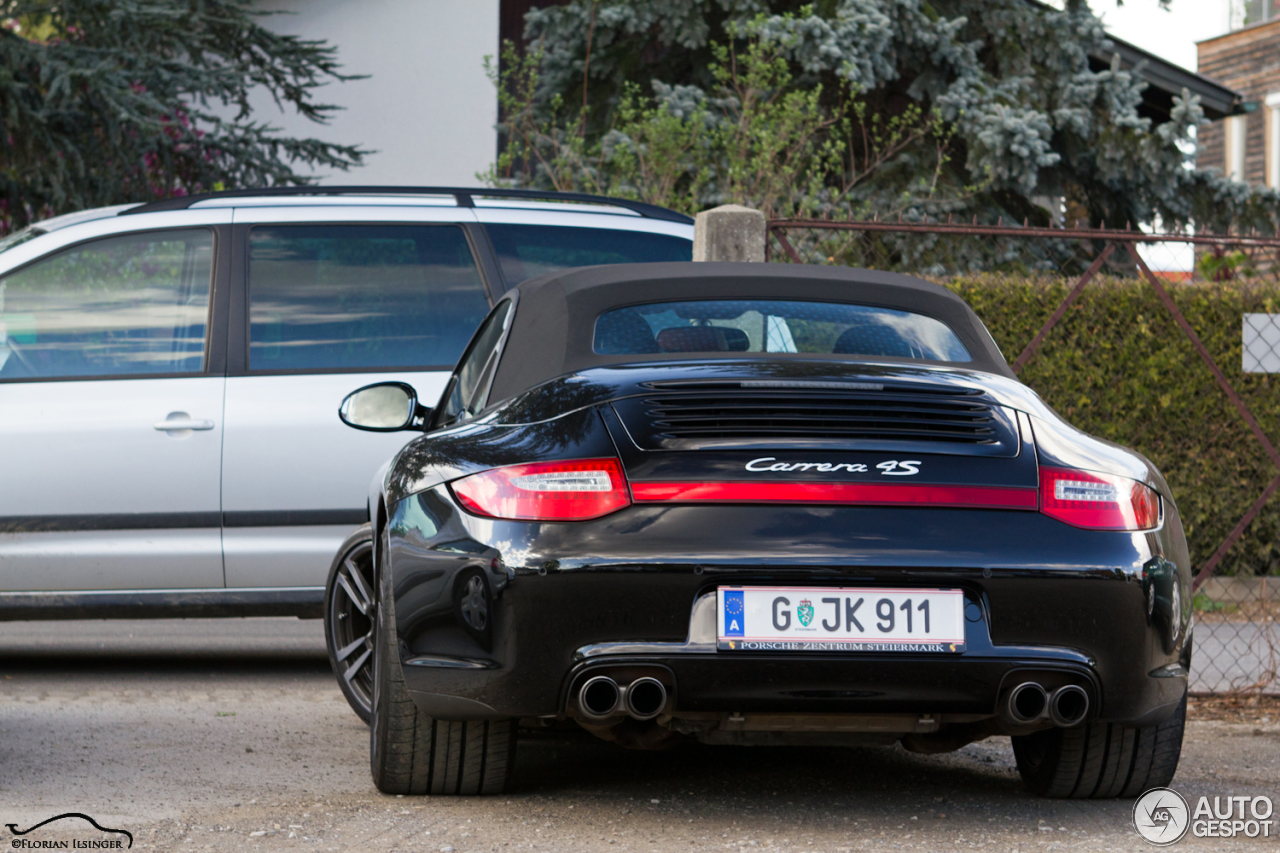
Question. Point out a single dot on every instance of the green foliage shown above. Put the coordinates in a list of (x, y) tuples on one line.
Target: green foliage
[(1118, 367), (1204, 604), (973, 108), (111, 101), (756, 137), (1224, 266)]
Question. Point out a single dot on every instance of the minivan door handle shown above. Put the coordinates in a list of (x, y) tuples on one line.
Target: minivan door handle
[(178, 421)]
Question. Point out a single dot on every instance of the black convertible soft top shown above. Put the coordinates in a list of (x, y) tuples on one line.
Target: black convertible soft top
[(555, 316)]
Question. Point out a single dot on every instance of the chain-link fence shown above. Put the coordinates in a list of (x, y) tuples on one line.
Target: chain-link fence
[(1167, 343)]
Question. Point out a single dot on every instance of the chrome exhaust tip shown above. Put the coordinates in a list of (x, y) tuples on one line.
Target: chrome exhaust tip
[(599, 698), (645, 698), (1027, 703), (1068, 706)]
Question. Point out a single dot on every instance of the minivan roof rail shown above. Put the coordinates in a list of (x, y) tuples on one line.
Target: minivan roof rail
[(463, 196)]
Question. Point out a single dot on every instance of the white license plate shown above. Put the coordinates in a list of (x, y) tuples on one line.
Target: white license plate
[(804, 619)]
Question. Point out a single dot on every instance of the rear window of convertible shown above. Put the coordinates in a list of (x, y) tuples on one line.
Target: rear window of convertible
[(709, 326)]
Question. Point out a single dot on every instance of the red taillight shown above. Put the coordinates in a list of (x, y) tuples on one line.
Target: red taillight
[(1098, 501), (867, 494), (546, 491)]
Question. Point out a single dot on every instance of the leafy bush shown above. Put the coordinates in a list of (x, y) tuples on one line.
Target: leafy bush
[(980, 109), (1204, 604), (757, 137), (1118, 367)]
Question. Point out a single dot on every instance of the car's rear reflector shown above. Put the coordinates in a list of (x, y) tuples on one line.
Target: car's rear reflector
[(1098, 501), (871, 494), (546, 491)]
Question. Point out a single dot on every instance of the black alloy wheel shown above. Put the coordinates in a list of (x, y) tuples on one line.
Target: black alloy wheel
[(349, 611)]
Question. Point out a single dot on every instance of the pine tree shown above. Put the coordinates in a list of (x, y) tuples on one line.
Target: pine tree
[(113, 101), (915, 107)]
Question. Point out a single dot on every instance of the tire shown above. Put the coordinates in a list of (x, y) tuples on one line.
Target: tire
[(1099, 760), (348, 619), (413, 753)]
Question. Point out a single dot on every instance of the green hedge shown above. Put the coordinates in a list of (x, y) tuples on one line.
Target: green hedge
[(1119, 367)]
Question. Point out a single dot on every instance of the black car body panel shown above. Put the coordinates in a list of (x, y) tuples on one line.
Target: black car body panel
[(1108, 610)]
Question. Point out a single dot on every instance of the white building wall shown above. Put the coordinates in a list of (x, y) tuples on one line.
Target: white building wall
[(427, 107)]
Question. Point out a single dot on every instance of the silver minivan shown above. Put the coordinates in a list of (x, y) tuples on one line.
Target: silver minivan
[(170, 377)]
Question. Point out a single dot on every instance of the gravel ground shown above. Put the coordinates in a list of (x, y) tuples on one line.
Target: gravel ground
[(230, 735)]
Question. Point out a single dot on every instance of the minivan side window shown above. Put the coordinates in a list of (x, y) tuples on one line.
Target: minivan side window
[(467, 396), (132, 305), (528, 251), (346, 297)]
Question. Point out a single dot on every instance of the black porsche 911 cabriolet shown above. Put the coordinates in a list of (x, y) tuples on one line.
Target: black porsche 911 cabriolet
[(760, 504)]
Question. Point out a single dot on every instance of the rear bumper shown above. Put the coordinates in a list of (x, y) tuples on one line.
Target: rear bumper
[(571, 600), (709, 680)]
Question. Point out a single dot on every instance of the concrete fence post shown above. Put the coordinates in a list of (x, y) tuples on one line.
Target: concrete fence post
[(730, 232)]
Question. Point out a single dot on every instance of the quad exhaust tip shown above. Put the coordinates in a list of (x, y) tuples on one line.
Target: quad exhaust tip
[(1068, 706), (601, 698), (645, 698), (1027, 702), (1065, 707)]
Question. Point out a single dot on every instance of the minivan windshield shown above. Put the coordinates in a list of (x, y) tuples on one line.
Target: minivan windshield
[(710, 326)]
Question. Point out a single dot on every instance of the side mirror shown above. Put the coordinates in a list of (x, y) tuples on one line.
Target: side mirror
[(384, 407)]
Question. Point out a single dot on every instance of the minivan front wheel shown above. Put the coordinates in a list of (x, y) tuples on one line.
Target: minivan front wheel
[(349, 603)]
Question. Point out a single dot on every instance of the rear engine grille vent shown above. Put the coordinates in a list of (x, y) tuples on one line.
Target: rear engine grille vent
[(888, 415)]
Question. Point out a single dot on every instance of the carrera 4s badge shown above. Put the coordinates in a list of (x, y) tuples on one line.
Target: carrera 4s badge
[(890, 467)]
